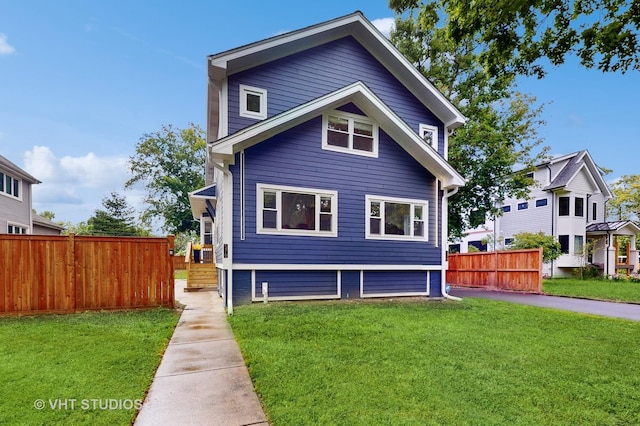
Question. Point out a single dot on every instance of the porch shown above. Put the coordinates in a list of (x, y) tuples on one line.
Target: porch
[(613, 247)]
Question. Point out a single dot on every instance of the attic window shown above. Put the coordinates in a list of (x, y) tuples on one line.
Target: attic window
[(429, 135), (253, 102), (351, 133)]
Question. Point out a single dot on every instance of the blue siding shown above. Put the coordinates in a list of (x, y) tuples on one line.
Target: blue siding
[(436, 289), (297, 283), (299, 78), (296, 158), (394, 282)]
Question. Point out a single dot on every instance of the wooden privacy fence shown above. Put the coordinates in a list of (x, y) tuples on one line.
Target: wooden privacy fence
[(517, 270), (64, 274)]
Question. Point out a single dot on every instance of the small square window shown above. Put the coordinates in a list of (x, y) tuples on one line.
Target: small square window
[(253, 102), (506, 209), (523, 206), (541, 203), (429, 135)]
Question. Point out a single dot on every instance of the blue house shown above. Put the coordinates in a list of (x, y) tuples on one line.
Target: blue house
[(326, 172)]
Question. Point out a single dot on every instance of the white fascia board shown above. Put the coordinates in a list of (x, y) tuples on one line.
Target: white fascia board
[(366, 33), (369, 103)]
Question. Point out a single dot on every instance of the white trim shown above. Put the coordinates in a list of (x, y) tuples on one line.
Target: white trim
[(338, 295), (13, 180), (17, 225), (330, 267), (364, 31), (223, 127), (369, 103), (413, 203), (434, 132), (245, 90), (242, 198), (351, 118), (279, 189)]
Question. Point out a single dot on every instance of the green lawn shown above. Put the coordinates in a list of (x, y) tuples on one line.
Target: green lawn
[(106, 359), (419, 362), (180, 274), (620, 291)]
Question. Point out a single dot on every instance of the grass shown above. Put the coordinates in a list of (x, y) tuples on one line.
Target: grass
[(599, 289), (180, 274), (416, 362), (54, 359)]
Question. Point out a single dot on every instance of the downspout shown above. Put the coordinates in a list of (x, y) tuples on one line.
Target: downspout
[(553, 212), (444, 236)]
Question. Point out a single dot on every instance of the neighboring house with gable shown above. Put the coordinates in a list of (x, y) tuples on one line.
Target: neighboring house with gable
[(568, 201), (16, 214), (326, 172)]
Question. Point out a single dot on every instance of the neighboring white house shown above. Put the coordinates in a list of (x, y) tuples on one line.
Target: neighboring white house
[(568, 201), (16, 214)]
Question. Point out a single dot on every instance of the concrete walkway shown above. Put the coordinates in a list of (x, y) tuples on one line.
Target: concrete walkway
[(202, 379), (595, 307)]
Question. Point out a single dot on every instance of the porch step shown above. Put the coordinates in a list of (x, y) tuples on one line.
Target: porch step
[(202, 275)]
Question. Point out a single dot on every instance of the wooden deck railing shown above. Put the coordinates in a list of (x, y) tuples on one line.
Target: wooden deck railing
[(517, 270), (64, 274)]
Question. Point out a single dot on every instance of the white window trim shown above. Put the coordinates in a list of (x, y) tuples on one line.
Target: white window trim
[(351, 117), (17, 225), (412, 202), (4, 186), (433, 129), (262, 93), (260, 190)]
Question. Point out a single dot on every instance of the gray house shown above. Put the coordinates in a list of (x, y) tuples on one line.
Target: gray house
[(16, 215)]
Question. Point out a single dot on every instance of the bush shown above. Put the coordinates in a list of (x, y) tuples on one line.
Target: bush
[(587, 272)]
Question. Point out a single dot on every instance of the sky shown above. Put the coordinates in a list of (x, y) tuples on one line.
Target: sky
[(81, 81)]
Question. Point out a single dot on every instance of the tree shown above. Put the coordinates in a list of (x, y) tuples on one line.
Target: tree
[(501, 134), (626, 198), (117, 218), (514, 36), (551, 249), (169, 163)]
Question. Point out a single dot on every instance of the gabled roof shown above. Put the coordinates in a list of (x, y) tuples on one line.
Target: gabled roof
[(359, 94), (16, 171), (613, 226), (576, 162), (239, 59)]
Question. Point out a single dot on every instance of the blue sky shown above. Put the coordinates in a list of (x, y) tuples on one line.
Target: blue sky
[(82, 81)]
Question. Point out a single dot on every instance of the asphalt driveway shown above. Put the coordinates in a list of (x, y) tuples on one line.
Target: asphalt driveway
[(595, 307)]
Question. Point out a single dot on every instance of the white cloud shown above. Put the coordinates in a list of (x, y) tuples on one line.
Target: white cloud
[(384, 25), (73, 187), (5, 47)]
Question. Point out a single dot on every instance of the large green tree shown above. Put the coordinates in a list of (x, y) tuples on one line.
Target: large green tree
[(169, 163), (625, 204), (519, 36), (501, 135)]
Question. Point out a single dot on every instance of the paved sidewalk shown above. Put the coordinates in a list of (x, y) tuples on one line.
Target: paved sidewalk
[(202, 379), (595, 307)]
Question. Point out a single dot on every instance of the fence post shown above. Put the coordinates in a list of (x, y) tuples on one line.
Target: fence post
[(171, 282), (71, 266)]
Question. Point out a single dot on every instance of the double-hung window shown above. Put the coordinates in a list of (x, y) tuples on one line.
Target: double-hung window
[(345, 132), (288, 210), (9, 185), (396, 218)]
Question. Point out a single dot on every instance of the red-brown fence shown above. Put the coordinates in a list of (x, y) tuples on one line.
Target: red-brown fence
[(63, 274), (517, 270)]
